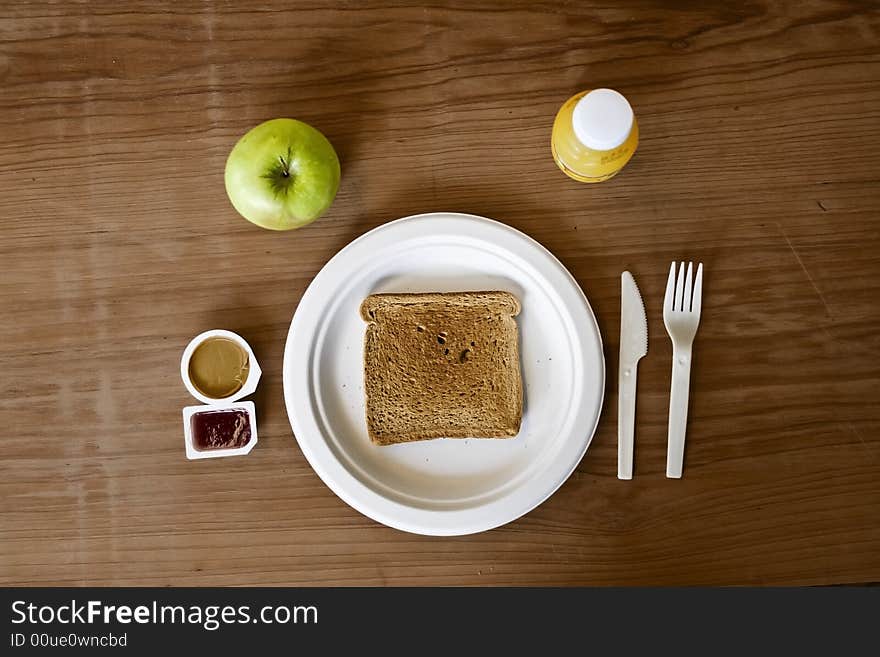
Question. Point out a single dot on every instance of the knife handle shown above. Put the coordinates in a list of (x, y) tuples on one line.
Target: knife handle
[(626, 420)]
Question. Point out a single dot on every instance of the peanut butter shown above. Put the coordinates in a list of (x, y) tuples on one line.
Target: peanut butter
[(218, 367)]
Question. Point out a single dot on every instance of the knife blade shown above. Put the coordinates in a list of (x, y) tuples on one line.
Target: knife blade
[(633, 347)]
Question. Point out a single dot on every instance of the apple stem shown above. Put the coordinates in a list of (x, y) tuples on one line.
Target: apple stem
[(279, 177)]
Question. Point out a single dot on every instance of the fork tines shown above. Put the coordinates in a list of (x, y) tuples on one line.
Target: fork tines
[(683, 293)]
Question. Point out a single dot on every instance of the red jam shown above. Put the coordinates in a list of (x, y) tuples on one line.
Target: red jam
[(223, 429)]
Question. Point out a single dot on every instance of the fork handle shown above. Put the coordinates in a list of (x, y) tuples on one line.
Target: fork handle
[(678, 409)]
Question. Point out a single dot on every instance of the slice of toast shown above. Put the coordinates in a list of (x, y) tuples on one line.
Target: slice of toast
[(441, 365)]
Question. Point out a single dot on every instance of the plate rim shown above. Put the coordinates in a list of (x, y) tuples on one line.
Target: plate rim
[(389, 518)]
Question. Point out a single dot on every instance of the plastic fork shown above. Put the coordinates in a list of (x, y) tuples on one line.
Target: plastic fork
[(681, 315)]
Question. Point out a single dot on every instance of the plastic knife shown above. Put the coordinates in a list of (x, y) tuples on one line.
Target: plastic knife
[(633, 346)]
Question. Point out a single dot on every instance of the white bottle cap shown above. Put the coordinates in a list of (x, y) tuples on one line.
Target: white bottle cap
[(602, 119)]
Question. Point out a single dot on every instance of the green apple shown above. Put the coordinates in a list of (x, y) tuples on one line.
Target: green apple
[(282, 174)]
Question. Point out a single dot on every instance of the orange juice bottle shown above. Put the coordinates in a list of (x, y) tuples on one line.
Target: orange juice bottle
[(594, 135)]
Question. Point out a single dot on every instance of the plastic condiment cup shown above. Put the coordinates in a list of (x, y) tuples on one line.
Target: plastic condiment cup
[(193, 452)]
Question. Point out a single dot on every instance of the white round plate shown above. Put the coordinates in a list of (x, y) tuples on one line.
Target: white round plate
[(444, 487)]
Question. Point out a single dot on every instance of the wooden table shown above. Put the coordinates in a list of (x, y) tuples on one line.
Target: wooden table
[(760, 156)]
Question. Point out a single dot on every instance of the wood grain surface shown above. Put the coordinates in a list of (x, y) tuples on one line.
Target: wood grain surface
[(759, 156)]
